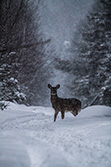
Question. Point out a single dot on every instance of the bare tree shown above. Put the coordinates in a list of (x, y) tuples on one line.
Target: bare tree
[(20, 33)]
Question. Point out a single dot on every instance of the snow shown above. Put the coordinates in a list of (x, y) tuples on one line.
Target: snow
[(30, 138)]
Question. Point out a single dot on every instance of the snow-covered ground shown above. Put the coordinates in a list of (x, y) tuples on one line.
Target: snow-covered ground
[(30, 138)]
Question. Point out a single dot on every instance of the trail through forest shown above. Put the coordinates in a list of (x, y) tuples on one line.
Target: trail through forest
[(30, 138)]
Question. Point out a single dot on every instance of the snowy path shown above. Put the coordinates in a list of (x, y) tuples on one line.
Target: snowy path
[(29, 138)]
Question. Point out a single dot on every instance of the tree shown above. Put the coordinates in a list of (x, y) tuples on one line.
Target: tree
[(20, 34), (91, 65), (10, 89)]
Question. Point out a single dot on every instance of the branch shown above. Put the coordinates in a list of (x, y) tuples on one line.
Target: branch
[(26, 45), (97, 97), (17, 14), (35, 44)]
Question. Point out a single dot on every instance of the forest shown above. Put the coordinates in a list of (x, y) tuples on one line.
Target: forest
[(54, 56), (28, 58), (90, 65)]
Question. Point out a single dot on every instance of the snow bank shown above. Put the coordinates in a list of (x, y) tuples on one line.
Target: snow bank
[(30, 138)]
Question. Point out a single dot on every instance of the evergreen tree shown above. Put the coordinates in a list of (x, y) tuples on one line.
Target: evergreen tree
[(91, 65), (10, 89)]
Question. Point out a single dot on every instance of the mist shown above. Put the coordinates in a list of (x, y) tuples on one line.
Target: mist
[(56, 42), (59, 21)]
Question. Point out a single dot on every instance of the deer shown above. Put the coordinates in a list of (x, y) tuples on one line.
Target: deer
[(63, 105)]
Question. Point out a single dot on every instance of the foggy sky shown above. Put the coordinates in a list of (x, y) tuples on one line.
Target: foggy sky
[(60, 18)]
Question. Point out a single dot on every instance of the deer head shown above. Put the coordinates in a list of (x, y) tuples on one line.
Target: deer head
[(53, 89)]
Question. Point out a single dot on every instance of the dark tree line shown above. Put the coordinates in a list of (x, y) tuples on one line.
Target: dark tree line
[(90, 65), (23, 53)]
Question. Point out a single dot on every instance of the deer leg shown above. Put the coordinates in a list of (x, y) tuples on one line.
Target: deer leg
[(62, 114), (74, 112), (55, 115)]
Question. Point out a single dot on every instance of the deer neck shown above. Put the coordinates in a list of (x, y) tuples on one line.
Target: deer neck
[(54, 97)]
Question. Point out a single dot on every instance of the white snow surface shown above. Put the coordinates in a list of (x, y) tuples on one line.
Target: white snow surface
[(30, 138)]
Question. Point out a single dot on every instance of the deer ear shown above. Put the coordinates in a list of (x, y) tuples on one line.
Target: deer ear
[(49, 86), (58, 86)]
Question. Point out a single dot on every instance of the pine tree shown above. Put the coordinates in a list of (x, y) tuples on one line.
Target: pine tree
[(10, 89), (91, 65)]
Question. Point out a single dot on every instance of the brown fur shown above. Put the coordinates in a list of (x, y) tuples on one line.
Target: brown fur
[(72, 105)]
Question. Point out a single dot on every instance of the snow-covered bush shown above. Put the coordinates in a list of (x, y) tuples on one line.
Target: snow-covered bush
[(11, 91)]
